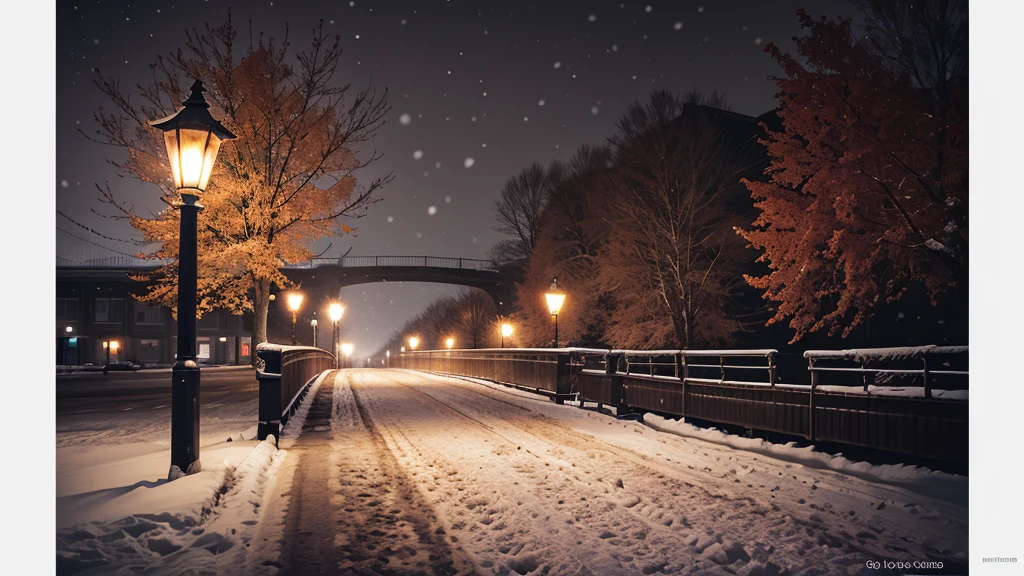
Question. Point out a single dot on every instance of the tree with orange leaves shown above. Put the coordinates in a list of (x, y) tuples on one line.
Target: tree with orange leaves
[(867, 189), (287, 181)]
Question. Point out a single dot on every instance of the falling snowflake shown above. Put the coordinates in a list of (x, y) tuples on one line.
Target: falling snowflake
[(468, 162), (526, 118), (484, 145), (757, 40), (447, 199), (432, 210), (64, 183), (558, 65), (403, 21), (405, 119), (648, 8), (357, 36), (474, 239), (594, 110), (391, 219), (678, 26), (592, 18), (419, 234), (615, 47), (700, 9), (417, 154), (437, 165), (541, 103), (472, 119)]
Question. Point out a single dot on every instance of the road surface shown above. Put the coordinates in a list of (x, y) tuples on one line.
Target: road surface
[(401, 472), (92, 408)]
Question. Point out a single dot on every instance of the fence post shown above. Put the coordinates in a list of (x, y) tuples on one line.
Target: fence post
[(721, 364), (686, 374), (927, 380), (810, 402), (771, 368)]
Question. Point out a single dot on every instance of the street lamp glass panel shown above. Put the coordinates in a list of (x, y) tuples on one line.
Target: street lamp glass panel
[(294, 301), (336, 311), (114, 346), (449, 343), (105, 345), (506, 330), (555, 301), (347, 349), (414, 342), (313, 322)]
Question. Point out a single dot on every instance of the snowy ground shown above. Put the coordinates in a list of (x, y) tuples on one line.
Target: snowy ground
[(399, 471)]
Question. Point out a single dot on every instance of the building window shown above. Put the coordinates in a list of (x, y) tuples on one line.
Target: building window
[(148, 313), (67, 309), (149, 344), (109, 310)]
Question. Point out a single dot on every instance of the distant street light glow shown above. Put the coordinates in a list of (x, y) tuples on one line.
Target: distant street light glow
[(449, 343), (413, 342)]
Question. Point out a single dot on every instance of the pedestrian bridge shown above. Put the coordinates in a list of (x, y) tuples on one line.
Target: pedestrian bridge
[(332, 274)]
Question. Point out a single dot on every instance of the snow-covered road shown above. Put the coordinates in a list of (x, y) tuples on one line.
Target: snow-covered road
[(415, 471)]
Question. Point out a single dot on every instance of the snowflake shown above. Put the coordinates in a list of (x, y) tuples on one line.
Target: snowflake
[(700, 9), (484, 145), (419, 234), (468, 162), (526, 118), (447, 199), (474, 239), (558, 65), (592, 18), (405, 119), (403, 21), (615, 47), (757, 40), (678, 26), (432, 210), (417, 154), (541, 103), (437, 165), (472, 119), (594, 110), (391, 219), (64, 183), (648, 8)]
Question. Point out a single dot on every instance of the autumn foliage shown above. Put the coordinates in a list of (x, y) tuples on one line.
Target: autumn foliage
[(287, 181), (867, 190)]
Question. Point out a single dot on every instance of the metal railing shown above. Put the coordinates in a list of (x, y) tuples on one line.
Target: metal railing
[(117, 262), (284, 374), (911, 367), (398, 261)]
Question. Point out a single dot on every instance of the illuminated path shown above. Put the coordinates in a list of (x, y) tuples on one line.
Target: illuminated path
[(402, 472)]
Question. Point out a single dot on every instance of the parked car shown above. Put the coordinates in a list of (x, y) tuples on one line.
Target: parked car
[(122, 366)]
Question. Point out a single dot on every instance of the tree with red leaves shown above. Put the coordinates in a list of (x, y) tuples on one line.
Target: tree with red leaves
[(867, 189)]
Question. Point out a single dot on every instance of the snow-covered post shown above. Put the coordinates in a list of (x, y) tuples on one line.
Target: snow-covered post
[(810, 401)]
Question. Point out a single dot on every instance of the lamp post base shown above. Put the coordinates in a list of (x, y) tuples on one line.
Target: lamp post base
[(184, 419)]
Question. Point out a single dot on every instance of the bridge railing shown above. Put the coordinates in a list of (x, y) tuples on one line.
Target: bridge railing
[(398, 261), (285, 374), (915, 401)]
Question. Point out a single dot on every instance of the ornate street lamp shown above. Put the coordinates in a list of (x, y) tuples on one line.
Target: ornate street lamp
[(313, 323), (506, 331), (555, 298), (294, 303), (192, 137), (335, 311)]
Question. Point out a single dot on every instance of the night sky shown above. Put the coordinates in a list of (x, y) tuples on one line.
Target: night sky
[(478, 91)]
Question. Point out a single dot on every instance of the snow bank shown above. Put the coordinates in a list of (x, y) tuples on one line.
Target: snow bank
[(900, 474)]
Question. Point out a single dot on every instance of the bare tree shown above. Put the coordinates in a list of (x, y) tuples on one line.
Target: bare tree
[(672, 261), (475, 316), (519, 210)]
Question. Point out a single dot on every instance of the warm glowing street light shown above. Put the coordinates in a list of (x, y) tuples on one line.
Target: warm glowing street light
[(347, 348), (555, 298), (114, 345), (388, 354), (449, 343), (69, 329), (294, 303), (192, 137), (403, 348), (506, 331), (413, 342)]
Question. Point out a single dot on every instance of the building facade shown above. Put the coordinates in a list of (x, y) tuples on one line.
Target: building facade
[(97, 305)]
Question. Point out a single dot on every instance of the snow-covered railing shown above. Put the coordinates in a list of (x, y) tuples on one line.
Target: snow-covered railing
[(284, 374), (911, 366), (696, 364), (397, 261)]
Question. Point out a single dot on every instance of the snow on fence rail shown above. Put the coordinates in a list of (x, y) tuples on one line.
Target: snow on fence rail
[(895, 368), (399, 261)]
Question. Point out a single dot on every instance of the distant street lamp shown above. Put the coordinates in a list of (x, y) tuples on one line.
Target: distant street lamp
[(388, 354), (335, 311), (294, 303), (313, 323), (555, 298), (506, 331), (403, 348), (347, 348), (192, 137), (413, 342), (449, 343)]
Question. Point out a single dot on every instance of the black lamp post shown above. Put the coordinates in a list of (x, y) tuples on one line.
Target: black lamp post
[(193, 138), (555, 298)]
